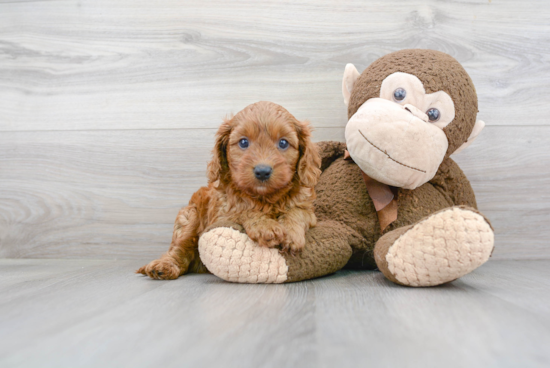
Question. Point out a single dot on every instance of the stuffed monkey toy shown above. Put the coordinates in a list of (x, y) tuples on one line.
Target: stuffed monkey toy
[(390, 197)]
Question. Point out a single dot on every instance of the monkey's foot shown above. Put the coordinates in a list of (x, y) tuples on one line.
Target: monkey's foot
[(438, 249), (231, 255)]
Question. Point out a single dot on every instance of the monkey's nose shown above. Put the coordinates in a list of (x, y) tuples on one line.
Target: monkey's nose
[(416, 112), (262, 172)]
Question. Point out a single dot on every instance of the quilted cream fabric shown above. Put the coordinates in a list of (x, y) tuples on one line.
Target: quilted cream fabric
[(232, 256), (441, 248)]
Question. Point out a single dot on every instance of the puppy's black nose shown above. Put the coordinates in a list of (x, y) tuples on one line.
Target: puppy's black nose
[(262, 172)]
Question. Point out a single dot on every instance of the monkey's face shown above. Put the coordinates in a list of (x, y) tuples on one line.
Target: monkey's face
[(398, 138)]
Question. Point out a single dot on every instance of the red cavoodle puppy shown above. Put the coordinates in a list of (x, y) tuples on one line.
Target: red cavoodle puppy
[(262, 176)]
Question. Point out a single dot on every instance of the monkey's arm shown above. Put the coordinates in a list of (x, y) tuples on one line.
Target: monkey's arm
[(453, 184), (330, 151)]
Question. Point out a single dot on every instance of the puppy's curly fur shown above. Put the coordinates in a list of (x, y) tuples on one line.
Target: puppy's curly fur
[(276, 211)]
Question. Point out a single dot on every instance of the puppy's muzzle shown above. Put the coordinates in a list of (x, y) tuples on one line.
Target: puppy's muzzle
[(263, 172)]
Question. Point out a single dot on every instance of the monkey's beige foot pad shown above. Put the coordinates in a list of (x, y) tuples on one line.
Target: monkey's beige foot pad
[(440, 248), (233, 256)]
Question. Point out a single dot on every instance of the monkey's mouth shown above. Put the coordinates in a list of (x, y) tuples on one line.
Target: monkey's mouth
[(385, 153)]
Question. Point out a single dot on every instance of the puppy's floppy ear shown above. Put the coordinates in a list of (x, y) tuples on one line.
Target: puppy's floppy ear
[(310, 162), (219, 167)]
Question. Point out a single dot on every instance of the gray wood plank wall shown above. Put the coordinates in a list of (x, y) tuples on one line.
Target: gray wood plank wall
[(108, 109)]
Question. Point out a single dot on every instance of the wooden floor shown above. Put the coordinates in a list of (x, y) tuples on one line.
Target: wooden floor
[(88, 313)]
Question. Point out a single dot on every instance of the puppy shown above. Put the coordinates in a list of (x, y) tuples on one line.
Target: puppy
[(262, 176)]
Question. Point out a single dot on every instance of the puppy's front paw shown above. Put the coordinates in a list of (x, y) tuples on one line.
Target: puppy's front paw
[(161, 269), (268, 233), (295, 240)]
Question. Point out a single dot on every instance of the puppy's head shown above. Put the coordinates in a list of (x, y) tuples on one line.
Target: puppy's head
[(264, 150)]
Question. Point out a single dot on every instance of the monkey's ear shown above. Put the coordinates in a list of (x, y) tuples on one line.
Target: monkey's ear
[(350, 76), (478, 127)]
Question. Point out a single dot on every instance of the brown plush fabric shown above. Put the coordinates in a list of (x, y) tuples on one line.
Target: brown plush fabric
[(438, 72), (383, 246), (451, 182), (342, 196), (318, 259), (330, 151)]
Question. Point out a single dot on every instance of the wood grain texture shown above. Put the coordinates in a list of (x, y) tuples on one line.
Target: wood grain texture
[(99, 194), (131, 64), (115, 194), (108, 108), (87, 313)]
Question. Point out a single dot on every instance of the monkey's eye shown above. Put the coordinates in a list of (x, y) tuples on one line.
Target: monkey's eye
[(433, 115), (283, 144), (399, 94), (243, 143)]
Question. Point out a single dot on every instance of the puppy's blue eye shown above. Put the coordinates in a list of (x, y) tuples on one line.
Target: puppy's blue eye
[(243, 143), (399, 94), (433, 115), (283, 144)]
